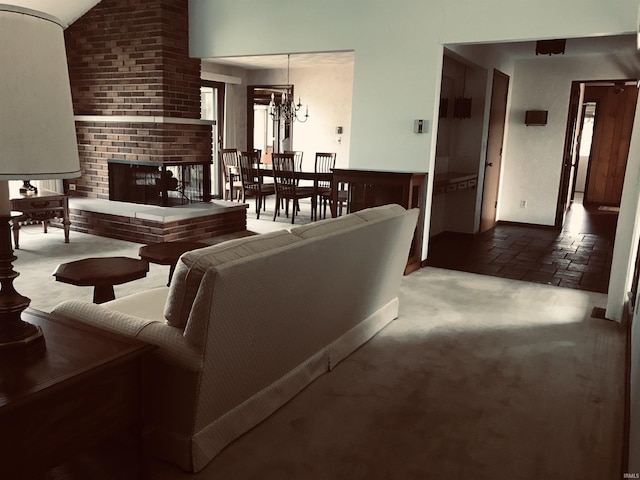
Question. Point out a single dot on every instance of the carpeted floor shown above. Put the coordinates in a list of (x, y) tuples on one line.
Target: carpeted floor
[(480, 377)]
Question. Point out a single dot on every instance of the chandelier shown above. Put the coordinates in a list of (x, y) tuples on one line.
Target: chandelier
[(287, 109)]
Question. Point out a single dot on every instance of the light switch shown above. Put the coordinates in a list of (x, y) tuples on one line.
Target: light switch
[(420, 126)]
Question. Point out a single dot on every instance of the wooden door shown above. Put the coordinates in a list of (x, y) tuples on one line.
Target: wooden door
[(615, 111), (494, 150), (568, 164)]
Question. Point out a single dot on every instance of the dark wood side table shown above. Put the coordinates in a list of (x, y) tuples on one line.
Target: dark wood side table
[(42, 206), (102, 273), (168, 253), (86, 385), (371, 188)]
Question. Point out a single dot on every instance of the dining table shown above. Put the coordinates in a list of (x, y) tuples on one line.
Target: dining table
[(266, 170)]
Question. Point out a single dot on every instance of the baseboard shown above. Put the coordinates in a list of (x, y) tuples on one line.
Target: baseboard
[(447, 235), (527, 225)]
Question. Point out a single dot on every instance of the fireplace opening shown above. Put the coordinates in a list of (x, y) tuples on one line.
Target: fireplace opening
[(159, 183)]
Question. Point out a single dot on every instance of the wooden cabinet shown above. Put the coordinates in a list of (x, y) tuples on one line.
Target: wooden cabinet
[(453, 181), (371, 188), (82, 387)]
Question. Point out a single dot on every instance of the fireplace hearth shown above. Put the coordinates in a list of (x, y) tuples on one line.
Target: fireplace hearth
[(159, 183)]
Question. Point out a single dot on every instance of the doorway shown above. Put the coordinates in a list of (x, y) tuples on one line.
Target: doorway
[(264, 131), (613, 123), (599, 126), (212, 96)]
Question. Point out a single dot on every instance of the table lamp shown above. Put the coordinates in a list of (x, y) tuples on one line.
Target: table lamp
[(37, 139)]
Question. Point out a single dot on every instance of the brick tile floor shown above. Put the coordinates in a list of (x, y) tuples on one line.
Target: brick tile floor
[(577, 256)]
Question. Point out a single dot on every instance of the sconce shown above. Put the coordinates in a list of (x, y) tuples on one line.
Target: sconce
[(536, 117), (550, 47), (444, 107), (462, 105)]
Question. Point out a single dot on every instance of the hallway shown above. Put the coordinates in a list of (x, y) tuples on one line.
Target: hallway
[(579, 256)]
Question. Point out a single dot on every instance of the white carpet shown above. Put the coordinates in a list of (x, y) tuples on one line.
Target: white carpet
[(40, 254), (480, 377)]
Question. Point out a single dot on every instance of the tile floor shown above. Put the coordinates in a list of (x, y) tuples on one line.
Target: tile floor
[(577, 256)]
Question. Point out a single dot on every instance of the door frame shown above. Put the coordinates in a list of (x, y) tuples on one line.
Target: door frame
[(260, 95), (219, 125)]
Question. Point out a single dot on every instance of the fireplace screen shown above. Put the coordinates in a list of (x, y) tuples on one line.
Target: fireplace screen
[(159, 183)]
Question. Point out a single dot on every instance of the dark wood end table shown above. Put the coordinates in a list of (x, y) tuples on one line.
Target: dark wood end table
[(102, 273), (84, 387), (168, 253), (42, 206)]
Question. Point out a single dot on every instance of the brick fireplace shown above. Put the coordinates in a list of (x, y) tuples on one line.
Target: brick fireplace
[(136, 92)]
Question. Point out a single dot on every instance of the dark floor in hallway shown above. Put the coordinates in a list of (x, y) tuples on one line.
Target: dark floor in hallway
[(578, 256)]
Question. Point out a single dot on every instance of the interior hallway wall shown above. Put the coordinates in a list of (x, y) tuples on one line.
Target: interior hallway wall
[(533, 154), (327, 92)]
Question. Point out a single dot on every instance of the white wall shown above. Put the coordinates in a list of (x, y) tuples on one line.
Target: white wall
[(469, 21), (399, 45), (327, 92), (325, 89), (376, 31), (533, 154)]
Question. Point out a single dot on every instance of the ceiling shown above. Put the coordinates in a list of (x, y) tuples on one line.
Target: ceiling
[(69, 11), (66, 10), (298, 60), (613, 44)]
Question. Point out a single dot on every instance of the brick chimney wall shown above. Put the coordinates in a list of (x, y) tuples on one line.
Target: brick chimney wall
[(136, 92)]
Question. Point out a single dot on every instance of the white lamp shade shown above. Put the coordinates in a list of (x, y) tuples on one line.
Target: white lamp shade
[(37, 129)]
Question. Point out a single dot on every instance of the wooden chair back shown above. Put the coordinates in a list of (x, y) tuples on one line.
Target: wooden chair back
[(297, 159), (250, 172), (283, 174), (230, 162), (325, 163)]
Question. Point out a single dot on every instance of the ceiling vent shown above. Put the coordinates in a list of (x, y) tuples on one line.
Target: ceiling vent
[(550, 47)]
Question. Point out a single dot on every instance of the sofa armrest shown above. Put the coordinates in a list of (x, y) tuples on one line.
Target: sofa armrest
[(173, 348)]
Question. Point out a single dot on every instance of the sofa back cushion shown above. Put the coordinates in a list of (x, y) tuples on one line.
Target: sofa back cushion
[(383, 211), (192, 265), (333, 225), (329, 225)]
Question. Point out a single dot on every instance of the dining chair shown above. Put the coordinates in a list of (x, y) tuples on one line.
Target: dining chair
[(297, 159), (287, 187), (252, 183), (231, 173), (325, 163), (297, 165)]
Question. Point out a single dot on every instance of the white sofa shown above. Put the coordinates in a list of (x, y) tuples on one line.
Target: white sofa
[(248, 323)]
